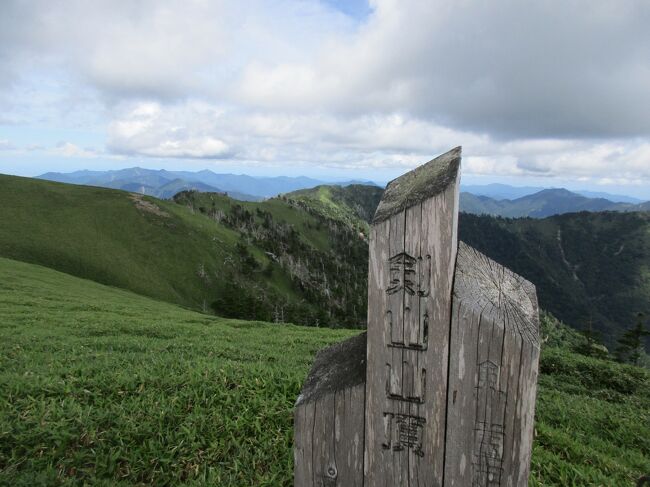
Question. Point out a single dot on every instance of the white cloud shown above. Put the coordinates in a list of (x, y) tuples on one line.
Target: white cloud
[(199, 130), (68, 149), (185, 131), (167, 50), (543, 89), (366, 141), (506, 68)]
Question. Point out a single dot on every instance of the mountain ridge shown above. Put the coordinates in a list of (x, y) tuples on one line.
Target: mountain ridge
[(500, 191), (267, 260), (493, 199), (239, 186), (544, 203)]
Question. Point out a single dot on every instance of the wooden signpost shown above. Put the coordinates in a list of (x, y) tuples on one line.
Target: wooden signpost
[(441, 389)]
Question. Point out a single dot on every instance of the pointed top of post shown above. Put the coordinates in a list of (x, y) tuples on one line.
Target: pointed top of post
[(419, 184)]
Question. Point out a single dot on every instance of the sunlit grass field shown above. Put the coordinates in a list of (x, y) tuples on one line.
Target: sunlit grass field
[(100, 386)]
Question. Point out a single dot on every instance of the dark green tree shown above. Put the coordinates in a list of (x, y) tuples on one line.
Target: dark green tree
[(630, 344), (592, 346)]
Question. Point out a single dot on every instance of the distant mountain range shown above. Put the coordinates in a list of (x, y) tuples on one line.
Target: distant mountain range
[(165, 184), (544, 203), (500, 191), (492, 199)]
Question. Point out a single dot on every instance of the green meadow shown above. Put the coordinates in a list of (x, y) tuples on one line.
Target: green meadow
[(100, 386)]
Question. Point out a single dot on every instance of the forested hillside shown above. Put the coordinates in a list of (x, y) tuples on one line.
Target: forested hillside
[(354, 204), (588, 267), (272, 260), (323, 258)]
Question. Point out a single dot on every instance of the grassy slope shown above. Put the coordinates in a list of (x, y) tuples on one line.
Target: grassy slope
[(105, 236), (180, 256), (104, 386), (100, 384), (354, 204)]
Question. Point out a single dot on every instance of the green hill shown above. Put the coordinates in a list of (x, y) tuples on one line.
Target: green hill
[(347, 203), (103, 386), (269, 260), (322, 260), (100, 386), (149, 246)]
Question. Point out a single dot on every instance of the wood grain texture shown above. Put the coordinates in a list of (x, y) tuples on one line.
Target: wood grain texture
[(348, 428), (329, 418), (303, 431), (494, 354), (489, 417), (412, 258), (328, 439)]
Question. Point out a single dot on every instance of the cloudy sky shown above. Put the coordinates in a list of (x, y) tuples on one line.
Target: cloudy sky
[(550, 93)]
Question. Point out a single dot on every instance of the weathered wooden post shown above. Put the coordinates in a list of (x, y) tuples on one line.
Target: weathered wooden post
[(441, 392)]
